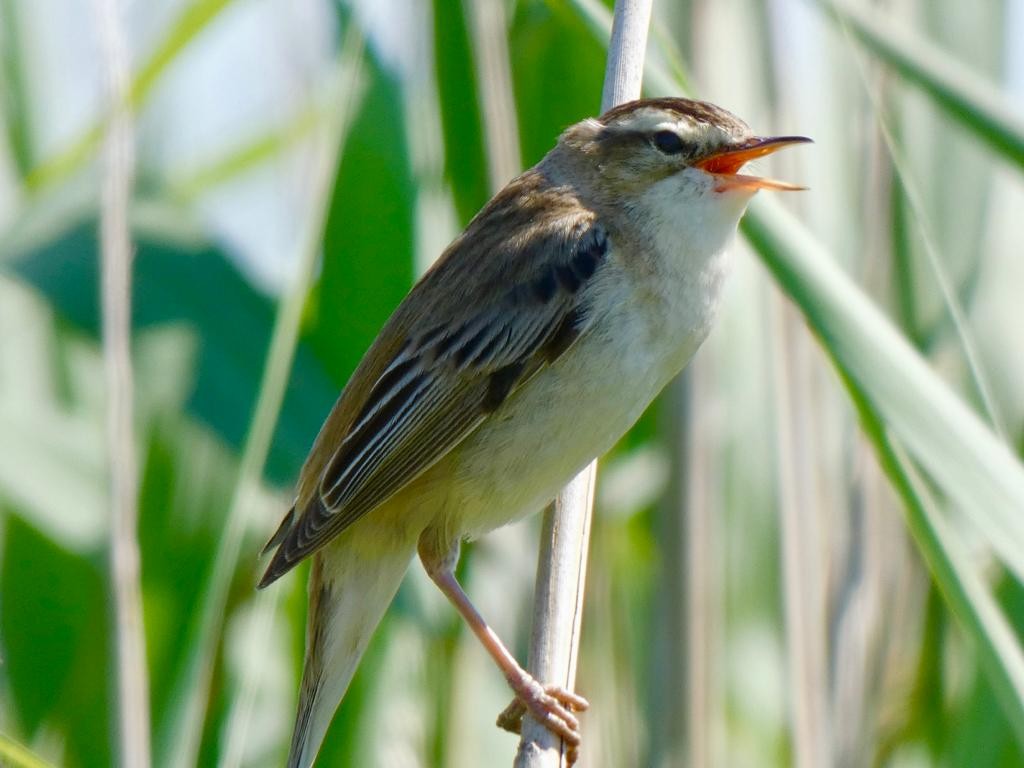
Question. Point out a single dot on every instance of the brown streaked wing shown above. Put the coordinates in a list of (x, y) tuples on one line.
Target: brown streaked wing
[(468, 352)]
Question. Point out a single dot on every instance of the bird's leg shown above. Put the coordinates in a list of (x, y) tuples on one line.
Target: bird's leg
[(552, 706)]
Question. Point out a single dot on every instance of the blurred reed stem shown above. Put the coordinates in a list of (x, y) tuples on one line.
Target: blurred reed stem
[(490, 53), (181, 743), (964, 588), (702, 599), (803, 573), (913, 199), (668, 710), (133, 727)]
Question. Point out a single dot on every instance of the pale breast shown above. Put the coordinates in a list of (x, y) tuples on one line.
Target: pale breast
[(578, 407)]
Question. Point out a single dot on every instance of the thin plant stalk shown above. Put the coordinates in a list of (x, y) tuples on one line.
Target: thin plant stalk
[(490, 53), (562, 563), (698, 548), (115, 238), (340, 107), (259, 627), (964, 588), (626, 52), (181, 743), (800, 549), (658, 79), (558, 608), (682, 668)]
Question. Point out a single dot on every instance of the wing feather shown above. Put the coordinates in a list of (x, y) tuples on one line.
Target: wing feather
[(418, 394)]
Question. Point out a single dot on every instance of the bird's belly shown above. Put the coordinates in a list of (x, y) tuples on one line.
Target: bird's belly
[(568, 414)]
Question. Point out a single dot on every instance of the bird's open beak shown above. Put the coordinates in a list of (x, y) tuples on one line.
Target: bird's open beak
[(725, 164)]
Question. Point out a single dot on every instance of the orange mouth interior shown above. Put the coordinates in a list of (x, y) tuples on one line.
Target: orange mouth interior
[(725, 164)]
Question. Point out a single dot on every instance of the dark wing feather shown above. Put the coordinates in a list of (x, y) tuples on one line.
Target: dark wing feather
[(449, 374)]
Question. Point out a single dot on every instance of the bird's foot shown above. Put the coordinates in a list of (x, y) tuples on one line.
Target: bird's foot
[(552, 706)]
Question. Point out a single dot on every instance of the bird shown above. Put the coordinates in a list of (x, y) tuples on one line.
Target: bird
[(531, 345)]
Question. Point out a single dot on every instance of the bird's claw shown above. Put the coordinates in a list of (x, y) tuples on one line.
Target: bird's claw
[(552, 706)]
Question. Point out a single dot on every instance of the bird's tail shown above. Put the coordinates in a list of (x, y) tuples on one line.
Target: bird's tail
[(352, 581)]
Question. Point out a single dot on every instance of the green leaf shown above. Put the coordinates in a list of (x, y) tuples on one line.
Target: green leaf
[(13, 93), (18, 755), (966, 461), (544, 39), (368, 268), (464, 162), (245, 157), (184, 494), (967, 97), (959, 580), (53, 629), (50, 465), (177, 282), (368, 239), (196, 285), (981, 734)]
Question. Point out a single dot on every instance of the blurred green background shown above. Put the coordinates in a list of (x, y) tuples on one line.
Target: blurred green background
[(798, 558)]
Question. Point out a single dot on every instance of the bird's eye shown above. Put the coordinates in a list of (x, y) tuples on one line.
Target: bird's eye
[(668, 142)]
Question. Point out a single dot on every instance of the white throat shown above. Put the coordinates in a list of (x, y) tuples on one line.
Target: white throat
[(690, 221), (692, 227)]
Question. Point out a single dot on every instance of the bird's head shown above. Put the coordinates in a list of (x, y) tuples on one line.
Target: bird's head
[(638, 144), (667, 170)]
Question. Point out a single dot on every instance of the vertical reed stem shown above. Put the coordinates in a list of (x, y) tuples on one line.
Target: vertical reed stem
[(116, 246), (561, 569)]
